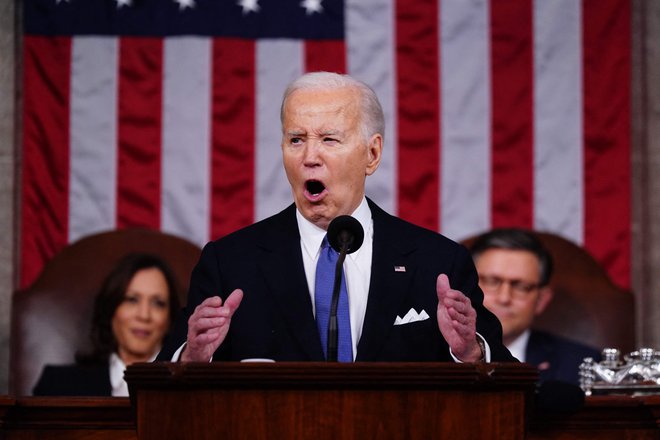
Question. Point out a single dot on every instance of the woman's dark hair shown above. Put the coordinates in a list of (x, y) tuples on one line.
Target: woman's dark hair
[(112, 294), (515, 239)]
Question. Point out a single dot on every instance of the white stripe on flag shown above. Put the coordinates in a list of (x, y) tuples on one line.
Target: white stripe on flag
[(93, 136), (273, 192), (465, 118), (370, 50), (186, 138), (558, 159)]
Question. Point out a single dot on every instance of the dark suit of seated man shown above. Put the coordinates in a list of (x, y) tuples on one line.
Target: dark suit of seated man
[(412, 294), (514, 273)]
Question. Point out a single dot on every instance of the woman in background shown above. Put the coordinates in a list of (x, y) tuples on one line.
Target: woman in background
[(133, 311)]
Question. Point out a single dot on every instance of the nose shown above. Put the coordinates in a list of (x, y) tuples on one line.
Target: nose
[(504, 293), (311, 156), (144, 310)]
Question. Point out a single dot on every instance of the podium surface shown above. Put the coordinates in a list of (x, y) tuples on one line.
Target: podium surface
[(330, 400)]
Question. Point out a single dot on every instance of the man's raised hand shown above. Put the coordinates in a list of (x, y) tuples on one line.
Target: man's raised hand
[(457, 320), (208, 326)]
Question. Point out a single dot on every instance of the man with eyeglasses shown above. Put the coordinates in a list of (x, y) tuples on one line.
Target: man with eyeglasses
[(514, 273)]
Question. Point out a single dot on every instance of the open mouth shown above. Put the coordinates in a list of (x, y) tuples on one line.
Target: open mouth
[(314, 187)]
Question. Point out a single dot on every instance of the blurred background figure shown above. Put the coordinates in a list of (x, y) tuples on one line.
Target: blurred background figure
[(133, 311), (514, 273)]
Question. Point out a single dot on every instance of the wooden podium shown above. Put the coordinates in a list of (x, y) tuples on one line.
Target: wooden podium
[(330, 400)]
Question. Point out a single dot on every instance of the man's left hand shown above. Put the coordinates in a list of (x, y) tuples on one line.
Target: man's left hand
[(457, 321)]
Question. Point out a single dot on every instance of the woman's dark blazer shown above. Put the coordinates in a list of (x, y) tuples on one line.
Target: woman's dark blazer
[(74, 380)]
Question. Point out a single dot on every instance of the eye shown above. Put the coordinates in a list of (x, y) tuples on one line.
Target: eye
[(490, 281), (524, 286), (159, 303), (296, 141), (330, 140), (131, 299)]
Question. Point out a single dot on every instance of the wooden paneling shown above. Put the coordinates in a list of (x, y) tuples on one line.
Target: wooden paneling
[(602, 418), (71, 418), (462, 402), (330, 400)]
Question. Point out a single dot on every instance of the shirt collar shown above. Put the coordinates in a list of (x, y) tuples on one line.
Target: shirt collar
[(518, 347), (312, 236), (117, 368)]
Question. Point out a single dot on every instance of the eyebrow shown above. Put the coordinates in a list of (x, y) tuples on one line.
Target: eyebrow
[(302, 133), (510, 280)]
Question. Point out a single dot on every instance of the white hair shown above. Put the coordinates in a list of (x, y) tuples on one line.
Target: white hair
[(372, 119)]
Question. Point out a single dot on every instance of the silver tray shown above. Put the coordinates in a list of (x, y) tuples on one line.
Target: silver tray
[(608, 388)]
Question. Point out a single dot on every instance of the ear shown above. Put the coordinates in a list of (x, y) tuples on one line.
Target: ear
[(374, 153), (545, 296)]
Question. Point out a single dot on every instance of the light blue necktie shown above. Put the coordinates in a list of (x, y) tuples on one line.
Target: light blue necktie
[(325, 276)]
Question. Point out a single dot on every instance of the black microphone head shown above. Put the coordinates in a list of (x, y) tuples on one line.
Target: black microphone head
[(345, 231)]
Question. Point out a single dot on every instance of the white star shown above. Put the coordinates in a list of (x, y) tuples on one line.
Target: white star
[(121, 3), (249, 6), (312, 6), (183, 4)]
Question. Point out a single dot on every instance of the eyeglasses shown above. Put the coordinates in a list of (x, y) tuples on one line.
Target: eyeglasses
[(519, 289)]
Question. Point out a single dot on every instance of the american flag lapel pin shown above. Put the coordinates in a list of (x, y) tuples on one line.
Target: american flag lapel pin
[(399, 268)]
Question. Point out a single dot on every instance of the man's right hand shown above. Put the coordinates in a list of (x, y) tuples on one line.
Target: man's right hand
[(208, 326)]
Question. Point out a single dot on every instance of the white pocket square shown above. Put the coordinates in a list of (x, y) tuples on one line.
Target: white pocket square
[(411, 316)]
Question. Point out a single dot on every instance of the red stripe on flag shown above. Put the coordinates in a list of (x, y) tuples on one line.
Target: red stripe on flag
[(139, 132), (326, 55), (233, 135), (418, 111), (512, 70), (45, 168), (607, 64)]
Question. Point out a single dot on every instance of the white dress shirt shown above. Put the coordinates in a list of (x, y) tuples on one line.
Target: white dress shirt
[(518, 347), (357, 266), (117, 368)]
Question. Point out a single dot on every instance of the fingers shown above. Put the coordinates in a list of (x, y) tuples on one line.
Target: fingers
[(450, 297), (216, 314), (209, 324), (457, 320), (234, 300), (454, 308), (442, 285), (461, 304), (463, 320)]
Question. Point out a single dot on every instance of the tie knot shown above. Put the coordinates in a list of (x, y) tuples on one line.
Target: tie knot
[(328, 251), (325, 245)]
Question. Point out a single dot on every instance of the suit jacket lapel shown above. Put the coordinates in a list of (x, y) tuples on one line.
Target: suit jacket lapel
[(284, 272), (388, 286)]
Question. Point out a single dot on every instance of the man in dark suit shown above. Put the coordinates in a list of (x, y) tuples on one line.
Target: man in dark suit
[(514, 272), (252, 294)]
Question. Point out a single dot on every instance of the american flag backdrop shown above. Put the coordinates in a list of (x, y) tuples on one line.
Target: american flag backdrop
[(165, 114)]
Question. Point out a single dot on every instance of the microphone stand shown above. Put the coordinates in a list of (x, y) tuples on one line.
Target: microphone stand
[(333, 336)]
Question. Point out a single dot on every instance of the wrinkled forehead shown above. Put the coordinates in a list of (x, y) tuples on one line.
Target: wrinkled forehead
[(332, 102)]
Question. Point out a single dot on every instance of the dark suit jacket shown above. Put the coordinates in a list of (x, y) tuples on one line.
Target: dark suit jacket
[(557, 358), (275, 319), (74, 380)]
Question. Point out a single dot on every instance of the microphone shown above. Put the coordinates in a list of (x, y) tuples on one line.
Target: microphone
[(345, 235)]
